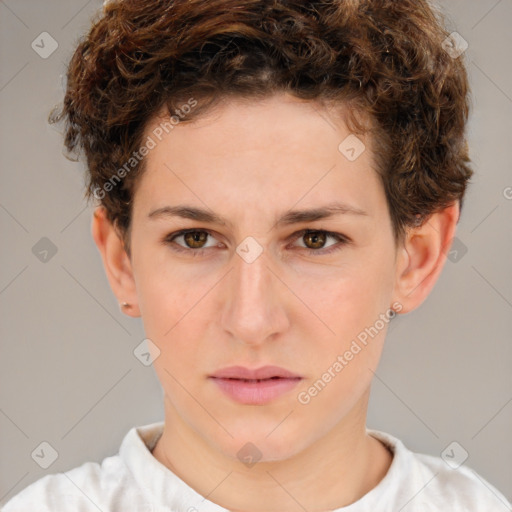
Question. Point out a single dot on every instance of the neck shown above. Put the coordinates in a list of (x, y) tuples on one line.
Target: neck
[(336, 470)]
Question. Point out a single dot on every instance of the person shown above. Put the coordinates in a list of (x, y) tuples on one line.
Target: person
[(276, 182)]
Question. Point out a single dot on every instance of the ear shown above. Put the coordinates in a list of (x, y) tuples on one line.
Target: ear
[(116, 261), (422, 256)]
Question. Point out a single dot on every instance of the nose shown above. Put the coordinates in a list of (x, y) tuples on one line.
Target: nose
[(255, 310)]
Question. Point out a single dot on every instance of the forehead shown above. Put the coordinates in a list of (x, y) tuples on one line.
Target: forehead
[(268, 155)]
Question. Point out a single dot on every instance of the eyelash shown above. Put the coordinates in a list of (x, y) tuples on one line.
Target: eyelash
[(168, 240)]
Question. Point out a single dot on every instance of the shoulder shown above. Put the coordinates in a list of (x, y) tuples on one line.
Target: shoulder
[(83, 488), (461, 485), (110, 485), (428, 483)]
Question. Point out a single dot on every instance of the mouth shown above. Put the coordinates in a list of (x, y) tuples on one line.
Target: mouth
[(256, 391), (263, 373), (257, 380)]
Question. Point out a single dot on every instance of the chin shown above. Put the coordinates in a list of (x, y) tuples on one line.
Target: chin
[(262, 447)]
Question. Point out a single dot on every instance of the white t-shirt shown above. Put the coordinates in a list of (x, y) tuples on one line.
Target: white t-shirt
[(134, 480)]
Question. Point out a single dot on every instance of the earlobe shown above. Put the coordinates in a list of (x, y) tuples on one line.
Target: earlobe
[(422, 257), (116, 262)]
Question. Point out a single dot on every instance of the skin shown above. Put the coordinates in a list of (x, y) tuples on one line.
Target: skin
[(250, 162)]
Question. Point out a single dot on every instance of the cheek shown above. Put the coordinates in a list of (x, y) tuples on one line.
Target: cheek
[(354, 309), (349, 300), (343, 373), (164, 295), (174, 318)]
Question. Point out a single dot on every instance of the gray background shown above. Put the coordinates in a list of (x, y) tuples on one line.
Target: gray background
[(68, 375)]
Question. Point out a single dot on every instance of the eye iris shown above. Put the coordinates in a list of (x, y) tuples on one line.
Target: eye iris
[(315, 237), (194, 237)]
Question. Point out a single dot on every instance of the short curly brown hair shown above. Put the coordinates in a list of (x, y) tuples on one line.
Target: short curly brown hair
[(383, 59)]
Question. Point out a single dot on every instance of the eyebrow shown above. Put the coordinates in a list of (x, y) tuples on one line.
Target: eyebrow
[(289, 217)]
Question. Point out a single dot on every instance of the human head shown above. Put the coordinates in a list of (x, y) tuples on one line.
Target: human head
[(324, 71)]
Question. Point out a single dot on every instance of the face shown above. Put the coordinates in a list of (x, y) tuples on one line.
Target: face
[(250, 288)]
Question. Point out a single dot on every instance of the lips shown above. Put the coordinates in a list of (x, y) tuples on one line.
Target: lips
[(263, 373), (255, 387)]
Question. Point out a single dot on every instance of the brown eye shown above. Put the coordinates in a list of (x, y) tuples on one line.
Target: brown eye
[(190, 241), (195, 239), (315, 238), (314, 241)]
